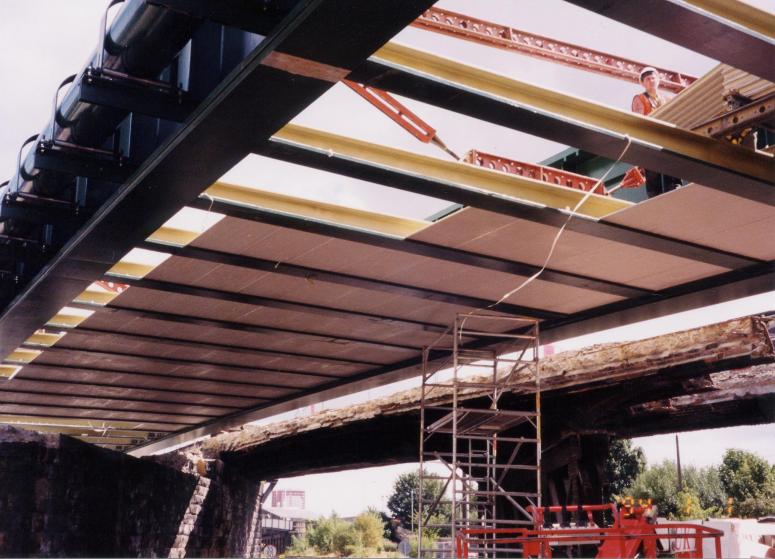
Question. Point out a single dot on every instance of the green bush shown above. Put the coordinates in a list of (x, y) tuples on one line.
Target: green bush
[(746, 476), (370, 528), (702, 494), (756, 507)]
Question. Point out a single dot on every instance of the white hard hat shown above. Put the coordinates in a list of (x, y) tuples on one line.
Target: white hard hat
[(647, 70)]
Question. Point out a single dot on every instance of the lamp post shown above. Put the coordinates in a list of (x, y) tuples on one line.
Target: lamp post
[(411, 506)]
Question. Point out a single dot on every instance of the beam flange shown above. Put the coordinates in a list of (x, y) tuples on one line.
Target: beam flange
[(362, 282), (255, 100), (480, 178), (129, 387), (181, 361), (220, 295), (335, 159), (272, 216), (54, 422), (726, 30), (200, 381), (577, 122), (178, 342), (350, 217)]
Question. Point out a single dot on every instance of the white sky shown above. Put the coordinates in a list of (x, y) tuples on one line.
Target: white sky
[(42, 41)]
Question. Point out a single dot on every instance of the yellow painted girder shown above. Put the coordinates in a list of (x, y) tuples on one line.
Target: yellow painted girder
[(44, 339), (111, 440), (173, 236), (382, 223), (30, 420), (742, 13), (9, 371), (463, 174), (83, 431), (22, 355), (622, 122)]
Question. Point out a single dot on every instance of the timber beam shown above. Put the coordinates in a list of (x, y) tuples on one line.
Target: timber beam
[(452, 181), (572, 121), (727, 30)]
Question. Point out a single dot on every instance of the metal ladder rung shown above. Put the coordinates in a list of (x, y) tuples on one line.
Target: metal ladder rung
[(463, 491)]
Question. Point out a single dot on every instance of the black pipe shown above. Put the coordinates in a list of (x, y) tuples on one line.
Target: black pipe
[(141, 42)]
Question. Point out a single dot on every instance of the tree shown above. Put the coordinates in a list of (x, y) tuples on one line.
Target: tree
[(745, 475), (406, 490), (623, 464), (702, 494), (370, 528)]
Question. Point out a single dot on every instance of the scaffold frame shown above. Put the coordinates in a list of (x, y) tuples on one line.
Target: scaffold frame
[(479, 446)]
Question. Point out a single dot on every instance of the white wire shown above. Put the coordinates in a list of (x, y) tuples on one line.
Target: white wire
[(561, 230)]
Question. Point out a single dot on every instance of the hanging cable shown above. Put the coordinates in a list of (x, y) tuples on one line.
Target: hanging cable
[(559, 233)]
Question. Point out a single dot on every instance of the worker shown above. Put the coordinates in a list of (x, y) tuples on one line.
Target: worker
[(644, 103)]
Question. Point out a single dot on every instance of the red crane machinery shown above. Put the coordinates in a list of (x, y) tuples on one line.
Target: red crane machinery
[(634, 532), (493, 34), (501, 36)]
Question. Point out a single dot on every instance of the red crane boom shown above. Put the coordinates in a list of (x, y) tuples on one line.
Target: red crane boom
[(501, 36)]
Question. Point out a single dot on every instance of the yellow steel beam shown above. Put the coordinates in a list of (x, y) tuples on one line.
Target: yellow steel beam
[(741, 13), (69, 317), (646, 130), (9, 371), (462, 174), (44, 338), (112, 440), (173, 236), (69, 422), (85, 431), (22, 355), (382, 223), (95, 295)]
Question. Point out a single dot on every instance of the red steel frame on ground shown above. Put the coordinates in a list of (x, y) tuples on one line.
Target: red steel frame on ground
[(633, 531)]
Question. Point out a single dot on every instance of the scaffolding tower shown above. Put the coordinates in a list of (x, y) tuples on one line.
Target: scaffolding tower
[(479, 358)]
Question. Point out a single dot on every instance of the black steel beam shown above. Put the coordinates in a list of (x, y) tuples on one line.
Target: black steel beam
[(490, 108), (206, 381), (20, 380), (701, 31), (734, 284), (195, 344), (308, 308), (98, 90), (715, 289), (248, 15), (125, 312), (346, 279), (62, 347), (100, 408), (220, 295), (418, 248), (83, 418), (492, 202), (8, 389), (39, 213), (320, 40), (82, 165)]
